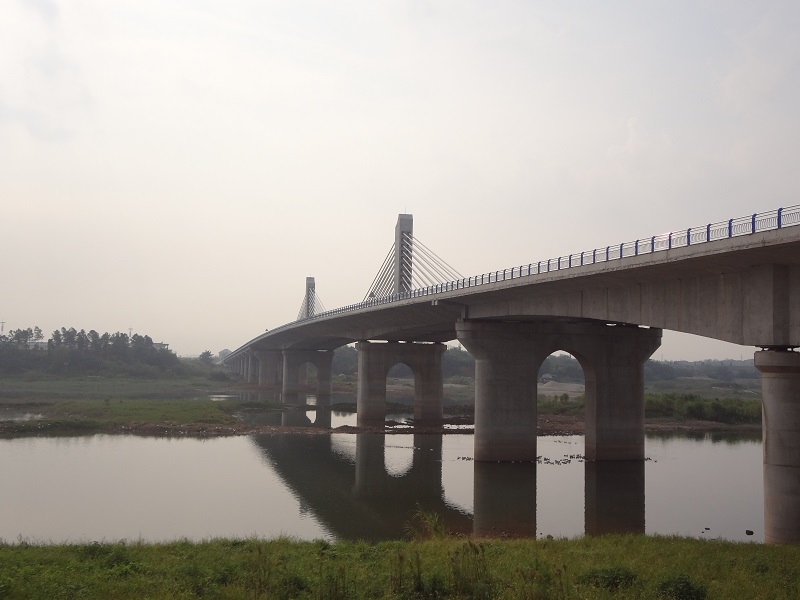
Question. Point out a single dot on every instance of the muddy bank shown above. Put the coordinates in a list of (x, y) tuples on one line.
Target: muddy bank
[(548, 425)]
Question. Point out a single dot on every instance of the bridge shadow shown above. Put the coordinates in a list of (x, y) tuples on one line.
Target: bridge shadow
[(355, 498)]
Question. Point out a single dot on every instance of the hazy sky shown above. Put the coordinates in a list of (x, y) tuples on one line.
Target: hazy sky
[(180, 167)]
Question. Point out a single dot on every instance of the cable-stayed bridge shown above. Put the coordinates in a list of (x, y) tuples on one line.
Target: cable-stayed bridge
[(737, 280)]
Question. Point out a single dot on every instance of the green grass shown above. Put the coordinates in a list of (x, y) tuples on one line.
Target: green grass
[(92, 416), (96, 404), (674, 406), (691, 406), (48, 388), (606, 567)]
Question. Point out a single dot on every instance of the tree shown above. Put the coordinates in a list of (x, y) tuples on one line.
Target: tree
[(207, 358), (345, 361), (21, 336)]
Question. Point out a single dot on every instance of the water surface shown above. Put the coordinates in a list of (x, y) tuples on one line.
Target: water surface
[(350, 486)]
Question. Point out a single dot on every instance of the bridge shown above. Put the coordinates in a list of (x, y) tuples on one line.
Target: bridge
[(737, 280)]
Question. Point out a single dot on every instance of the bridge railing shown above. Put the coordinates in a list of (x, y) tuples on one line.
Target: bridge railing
[(711, 232)]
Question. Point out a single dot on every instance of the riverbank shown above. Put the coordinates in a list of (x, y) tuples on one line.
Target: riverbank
[(205, 421), (202, 407), (440, 567)]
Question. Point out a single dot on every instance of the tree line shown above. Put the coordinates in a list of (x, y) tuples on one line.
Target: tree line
[(73, 351)]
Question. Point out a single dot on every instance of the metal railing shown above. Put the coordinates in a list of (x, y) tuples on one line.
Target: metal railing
[(741, 226)]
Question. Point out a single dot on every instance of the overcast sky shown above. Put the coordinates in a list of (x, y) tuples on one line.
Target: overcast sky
[(180, 167)]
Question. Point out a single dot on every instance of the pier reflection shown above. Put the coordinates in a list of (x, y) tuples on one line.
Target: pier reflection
[(614, 499), (354, 496), (360, 499), (296, 415), (505, 499)]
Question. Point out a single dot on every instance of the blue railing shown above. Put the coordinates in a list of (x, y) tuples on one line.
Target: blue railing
[(755, 223)]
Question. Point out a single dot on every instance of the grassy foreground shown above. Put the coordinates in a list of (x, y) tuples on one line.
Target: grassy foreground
[(604, 567)]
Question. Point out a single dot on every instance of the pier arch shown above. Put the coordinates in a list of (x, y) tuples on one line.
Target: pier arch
[(374, 362), (507, 360)]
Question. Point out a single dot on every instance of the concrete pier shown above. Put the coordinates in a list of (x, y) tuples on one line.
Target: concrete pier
[(270, 368), (294, 362), (374, 362), (249, 370), (507, 361), (780, 390)]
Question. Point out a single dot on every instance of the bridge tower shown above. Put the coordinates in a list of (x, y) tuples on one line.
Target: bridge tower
[(403, 234), (309, 301)]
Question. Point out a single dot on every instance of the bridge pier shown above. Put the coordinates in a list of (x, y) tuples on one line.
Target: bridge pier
[(374, 362), (507, 361), (294, 362), (249, 370), (269, 367), (780, 426)]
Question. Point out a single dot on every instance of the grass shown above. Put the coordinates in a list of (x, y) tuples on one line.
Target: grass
[(106, 404), (691, 406), (38, 388), (605, 567), (93, 404), (670, 405)]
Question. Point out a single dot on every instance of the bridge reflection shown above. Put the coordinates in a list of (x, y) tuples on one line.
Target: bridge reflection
[(356, 498)]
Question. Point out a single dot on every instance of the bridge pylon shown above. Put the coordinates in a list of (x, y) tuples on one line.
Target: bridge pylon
[(307, 307), (403, 258)]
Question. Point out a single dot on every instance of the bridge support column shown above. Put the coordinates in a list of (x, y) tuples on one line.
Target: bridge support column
[(780, 425), (294, 362), (506, 368), (269, 367), (374, 362), (614, 373), (507, 361), (249, 369)]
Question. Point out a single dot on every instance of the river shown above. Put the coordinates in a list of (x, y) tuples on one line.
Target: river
[(368, 486)]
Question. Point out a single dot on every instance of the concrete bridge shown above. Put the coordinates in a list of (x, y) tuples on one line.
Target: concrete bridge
[(737, 280)]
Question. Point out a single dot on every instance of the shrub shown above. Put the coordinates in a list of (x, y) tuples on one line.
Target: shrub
[(611, 578), (680, 587)]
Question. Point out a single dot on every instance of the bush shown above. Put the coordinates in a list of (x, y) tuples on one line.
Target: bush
[(218, 376), (680, 587), (611, 578)]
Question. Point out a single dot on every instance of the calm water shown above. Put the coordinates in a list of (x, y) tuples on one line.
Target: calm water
[(346, 486)]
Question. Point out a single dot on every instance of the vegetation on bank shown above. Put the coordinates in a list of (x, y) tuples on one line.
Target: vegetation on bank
[(444, 567), (72, 352), (87, 382), (731, 411)]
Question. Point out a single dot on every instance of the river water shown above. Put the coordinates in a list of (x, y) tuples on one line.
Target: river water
[(368, 486)]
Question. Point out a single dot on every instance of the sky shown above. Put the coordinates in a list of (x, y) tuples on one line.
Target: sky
[(179, 168)]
